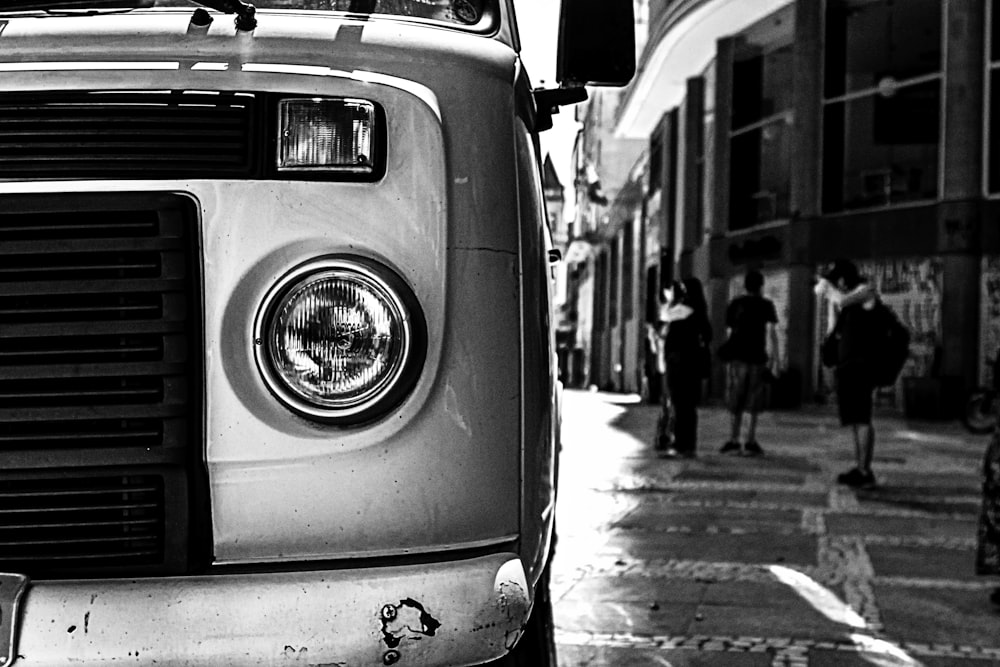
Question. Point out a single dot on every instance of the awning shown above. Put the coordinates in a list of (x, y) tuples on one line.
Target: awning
[(680, 46)]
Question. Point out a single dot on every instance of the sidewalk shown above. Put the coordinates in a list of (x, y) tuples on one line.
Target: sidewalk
[(727, 560)]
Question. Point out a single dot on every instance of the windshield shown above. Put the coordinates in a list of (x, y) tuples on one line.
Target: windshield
[(464, 12), (477, 13)]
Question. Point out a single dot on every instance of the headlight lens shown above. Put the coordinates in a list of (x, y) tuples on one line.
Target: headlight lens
[(327, 134), (335, 340)]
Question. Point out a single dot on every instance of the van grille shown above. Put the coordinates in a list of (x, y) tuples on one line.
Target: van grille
[(126, 134), (57, 522), (99, 409)]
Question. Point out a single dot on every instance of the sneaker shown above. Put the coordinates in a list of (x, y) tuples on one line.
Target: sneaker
[(857, 479), (670, 453), (752, 449), (731, 447)]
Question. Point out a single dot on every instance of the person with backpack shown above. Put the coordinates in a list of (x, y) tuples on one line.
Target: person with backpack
[(867, 347)]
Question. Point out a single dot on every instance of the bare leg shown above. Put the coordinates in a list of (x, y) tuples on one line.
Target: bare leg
[(752, 428), (864, 446), (868, 447), (736, 424)]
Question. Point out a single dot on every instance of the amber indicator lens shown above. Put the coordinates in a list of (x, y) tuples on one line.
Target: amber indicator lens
[(326, 134)]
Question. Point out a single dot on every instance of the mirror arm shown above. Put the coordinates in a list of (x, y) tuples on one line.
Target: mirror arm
[(548, 101)]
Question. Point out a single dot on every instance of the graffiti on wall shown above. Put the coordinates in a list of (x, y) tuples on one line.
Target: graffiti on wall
[(989, 317), (912, 288)]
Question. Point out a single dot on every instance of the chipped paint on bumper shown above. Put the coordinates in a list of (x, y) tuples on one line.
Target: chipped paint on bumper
[(454, 613)]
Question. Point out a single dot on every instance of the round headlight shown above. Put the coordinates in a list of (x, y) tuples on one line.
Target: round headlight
[(336, 339)]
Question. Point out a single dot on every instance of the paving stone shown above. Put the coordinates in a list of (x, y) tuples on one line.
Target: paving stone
[(580, 656), (827, 658), (936, 484), (940, 617), (859, 524), (752, 549), (679, 558), (636, 588), (755, 595), (624, 617), (732, 519), (922, 562), (904, 498), (742, 473), (799, 620), (798, 499)]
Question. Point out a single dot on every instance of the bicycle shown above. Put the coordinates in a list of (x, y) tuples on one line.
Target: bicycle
[(980, 413)]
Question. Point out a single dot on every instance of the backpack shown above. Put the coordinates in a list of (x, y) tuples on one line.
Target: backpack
[(891, 347)]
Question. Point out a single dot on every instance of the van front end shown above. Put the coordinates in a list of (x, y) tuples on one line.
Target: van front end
[(263, 341), (277, 373)]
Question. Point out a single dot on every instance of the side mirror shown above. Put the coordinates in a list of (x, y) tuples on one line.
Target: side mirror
[(596, 43)]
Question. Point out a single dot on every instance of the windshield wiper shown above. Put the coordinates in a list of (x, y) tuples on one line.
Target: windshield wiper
[(245, 12)]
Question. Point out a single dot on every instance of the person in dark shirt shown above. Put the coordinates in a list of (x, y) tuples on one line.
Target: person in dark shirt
[(751, 322), (856, 329)]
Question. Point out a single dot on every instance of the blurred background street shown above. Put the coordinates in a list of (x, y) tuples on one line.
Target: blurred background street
[(727, 560)]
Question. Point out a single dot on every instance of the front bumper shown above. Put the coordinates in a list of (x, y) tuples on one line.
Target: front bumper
[(455, 613)]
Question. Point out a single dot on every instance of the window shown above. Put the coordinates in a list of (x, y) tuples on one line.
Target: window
[(628, 270), (760, 155), (706, 163), (614, 279), (993, 166), (882, 106), (870, 41)]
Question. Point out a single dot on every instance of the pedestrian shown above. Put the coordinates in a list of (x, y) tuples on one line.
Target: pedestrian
[(988, 533), (686, 349), (657, 334), (751, 344), (854, 332)]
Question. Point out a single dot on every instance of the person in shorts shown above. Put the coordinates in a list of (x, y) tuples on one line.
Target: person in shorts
[(751, 322), (856, 328), (988, 531)]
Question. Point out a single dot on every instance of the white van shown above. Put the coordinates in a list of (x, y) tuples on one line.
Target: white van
[(277, 379)]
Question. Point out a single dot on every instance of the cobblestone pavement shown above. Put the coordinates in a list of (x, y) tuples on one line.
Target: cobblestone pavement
[(726, 560)]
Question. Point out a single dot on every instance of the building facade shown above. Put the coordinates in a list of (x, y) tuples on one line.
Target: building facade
[(781, 136)]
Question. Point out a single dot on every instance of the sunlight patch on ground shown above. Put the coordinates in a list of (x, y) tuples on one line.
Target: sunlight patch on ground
[(876, 651)]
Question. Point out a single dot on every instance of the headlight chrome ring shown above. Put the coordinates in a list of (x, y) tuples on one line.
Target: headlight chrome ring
[(340, 339)]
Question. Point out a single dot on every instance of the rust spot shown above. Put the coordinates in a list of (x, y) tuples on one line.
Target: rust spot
[(408, 620)]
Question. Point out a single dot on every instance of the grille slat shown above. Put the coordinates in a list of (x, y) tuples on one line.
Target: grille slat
[(81, 435), (77, 508), (73, 329), (90, 412), (98, 349), (51, 287), (78, 246), (58, 523), (88, 371), (108, 134)]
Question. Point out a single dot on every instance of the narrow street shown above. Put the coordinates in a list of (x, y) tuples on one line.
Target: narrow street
[(727, 560)]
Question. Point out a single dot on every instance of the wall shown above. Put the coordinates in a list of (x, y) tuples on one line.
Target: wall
[(989, 317)]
